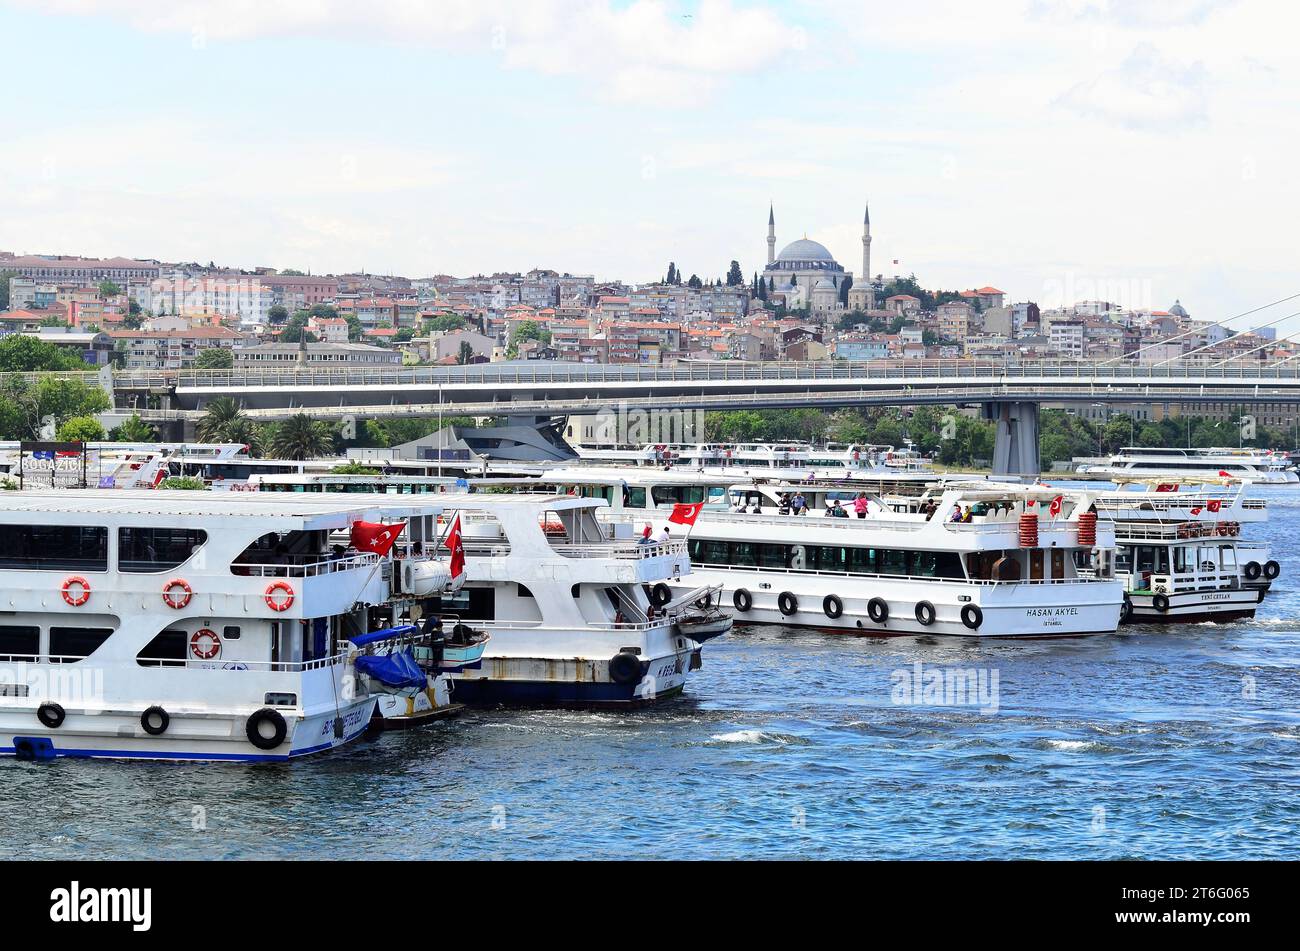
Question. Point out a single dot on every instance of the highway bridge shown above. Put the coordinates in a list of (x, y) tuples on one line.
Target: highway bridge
[(1008, 392)]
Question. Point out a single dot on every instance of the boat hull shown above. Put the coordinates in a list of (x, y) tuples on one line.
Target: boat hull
[(1011, 610), (1185, 606), (201, 739)]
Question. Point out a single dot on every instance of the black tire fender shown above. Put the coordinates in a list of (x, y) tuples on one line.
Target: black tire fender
[(742, 600), (51, 715), (788, 603), (279, 729), (972, 616), (625, 668), (832, 606), (878, 610), (147, 721), (925, 613)]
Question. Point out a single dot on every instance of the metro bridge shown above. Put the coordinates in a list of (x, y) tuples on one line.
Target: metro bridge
[(1009, 393)]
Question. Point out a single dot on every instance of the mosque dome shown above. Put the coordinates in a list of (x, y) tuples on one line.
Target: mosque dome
[(1178, 310), (805, 250)]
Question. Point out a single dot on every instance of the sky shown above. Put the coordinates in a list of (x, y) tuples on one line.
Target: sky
[(1058, 149)]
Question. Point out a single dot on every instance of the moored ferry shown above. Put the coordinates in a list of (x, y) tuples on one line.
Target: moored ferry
[(1182, 555), (1260, 466), (188, 625)]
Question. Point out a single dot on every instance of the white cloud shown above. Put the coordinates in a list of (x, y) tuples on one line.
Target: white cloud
[(646, 51), (1146, 90)]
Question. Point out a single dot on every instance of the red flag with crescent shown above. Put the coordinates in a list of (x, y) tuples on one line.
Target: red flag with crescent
[(454, 545), (375, 536), (686, 513)]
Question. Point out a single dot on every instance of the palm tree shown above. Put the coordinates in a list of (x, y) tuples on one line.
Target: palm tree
[(222, 418), (301, 437)]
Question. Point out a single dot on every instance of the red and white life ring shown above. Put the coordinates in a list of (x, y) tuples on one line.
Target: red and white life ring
[(76, 600), (172, 599), (205, 644), (276, 604)]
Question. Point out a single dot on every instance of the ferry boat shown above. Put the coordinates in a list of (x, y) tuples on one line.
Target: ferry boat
[(1260, 466), (190, 625), (773, 459), (1181, 555), (579, 612), (906, 567)]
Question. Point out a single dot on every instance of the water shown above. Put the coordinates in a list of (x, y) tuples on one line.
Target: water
[(1149, 744)]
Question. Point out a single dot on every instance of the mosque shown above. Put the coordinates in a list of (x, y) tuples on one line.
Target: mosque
[(809, 276)]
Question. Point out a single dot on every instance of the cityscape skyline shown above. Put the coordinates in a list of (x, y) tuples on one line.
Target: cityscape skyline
[(1085, 152)]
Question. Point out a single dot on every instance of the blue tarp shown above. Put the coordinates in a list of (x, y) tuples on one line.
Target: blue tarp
[(398, 669), (403, 630)]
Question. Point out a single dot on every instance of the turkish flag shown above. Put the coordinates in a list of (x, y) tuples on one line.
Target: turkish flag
[(454, 545), (684, 514), (1167, 487), (1214, 504), (1196, 511), (1223, 474), (375, 536), (1055, 508)]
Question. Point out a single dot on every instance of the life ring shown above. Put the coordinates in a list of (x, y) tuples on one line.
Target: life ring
[(972, 616), (660, 595), (1125, 608), (1272, 569), (788, 603), (51, 715), (1253, 570), (76, 600), (742, 600), (155, 720), (171, 600), (624, 668), (279, 729), (1160, 603), (925, 613), (832, 606), (205, 643), (878, 610), (274, 603)]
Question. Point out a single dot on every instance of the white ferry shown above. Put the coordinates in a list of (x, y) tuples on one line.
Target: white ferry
[(188, 625), (905, 567), (108, 465), (772, 459), (1260, 466), (1181, 555), (579, 613)]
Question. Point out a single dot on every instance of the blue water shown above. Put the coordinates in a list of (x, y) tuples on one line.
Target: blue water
[(1161, 742)]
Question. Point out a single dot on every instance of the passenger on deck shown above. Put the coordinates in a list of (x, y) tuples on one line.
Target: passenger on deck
[(860, 505), (799, 505), (838, 511)]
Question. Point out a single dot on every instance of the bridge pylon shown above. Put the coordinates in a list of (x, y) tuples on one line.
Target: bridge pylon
[(1015, 445)]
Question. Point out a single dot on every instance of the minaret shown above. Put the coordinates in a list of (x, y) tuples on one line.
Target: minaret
[(771, 235), (866, 245)]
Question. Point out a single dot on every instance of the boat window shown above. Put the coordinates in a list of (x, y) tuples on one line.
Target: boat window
[(773, 556), (1058, 562), (1036, 563), (54, 548), (166, 646), (157, 549), (744, 553), (714, 553), (523, 591), (828, 558), (892, 562), (862, 561), (1227, 556), (74, 643), (1180, 559), (230, 633), (672, 494), (634, 498), (20, 641)]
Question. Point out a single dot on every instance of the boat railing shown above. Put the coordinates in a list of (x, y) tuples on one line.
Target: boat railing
[(300, 566), (272, 666), (1176, 531), (656, 624), (628, 551), (1089, 577)]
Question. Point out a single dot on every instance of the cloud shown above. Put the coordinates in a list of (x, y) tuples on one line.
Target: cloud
[(1145, 91), (644, 51)]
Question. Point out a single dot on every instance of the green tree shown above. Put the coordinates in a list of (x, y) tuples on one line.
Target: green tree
[(355, 330), (734, 275), (214, 358), (186, 483), (301, 437), (464, 353), (527, 330), (694, 282), (446, 322), (134, 429), (295, 328), (5, 277), (277, 314), (222, 418), (109, 289), (81, 429), (354, 468), (19, 352)]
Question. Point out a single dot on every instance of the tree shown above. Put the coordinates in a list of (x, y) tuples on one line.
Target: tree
[(81, 429), (354, 468), (465, 353), (277, 314), (446, 322), (109, 289), (222, 419), (134, 429), (734, 276), (214, 358), (25, 354), (844, 290), (5, 277), (355, 330), (695, 282), (186, 483), (672, 276), (53, 321), (301, 437), (404, 334), (295, 329), (525, 331)]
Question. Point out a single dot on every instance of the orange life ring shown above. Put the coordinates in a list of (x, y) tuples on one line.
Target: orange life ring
[(76, 600), (171, 600), (271, 601), (205, 643)]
